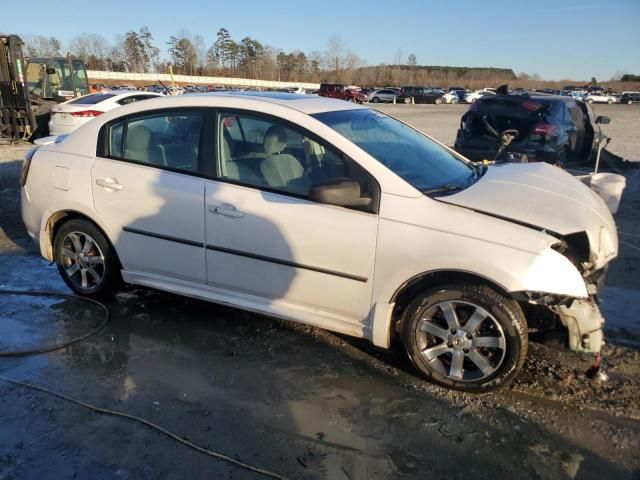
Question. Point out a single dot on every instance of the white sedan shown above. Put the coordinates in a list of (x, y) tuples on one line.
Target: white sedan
[(473, 96), (68, 116), (326, 213)]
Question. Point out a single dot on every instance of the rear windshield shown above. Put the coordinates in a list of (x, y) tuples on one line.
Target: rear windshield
[(92, 99), (513, 106)]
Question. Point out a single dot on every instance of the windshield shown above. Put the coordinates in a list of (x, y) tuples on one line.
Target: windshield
[(60, 79), (416, 158)]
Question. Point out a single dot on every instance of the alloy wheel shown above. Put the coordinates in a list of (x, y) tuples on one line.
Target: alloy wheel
[(461, 340), (82, 260)]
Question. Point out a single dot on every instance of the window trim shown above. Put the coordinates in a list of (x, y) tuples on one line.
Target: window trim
[(208, 148), (219, 111), (103, 150)]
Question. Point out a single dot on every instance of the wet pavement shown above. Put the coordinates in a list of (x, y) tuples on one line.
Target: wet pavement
[(300, 401)]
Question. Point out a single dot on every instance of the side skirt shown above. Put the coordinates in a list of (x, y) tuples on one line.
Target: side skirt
[(273, 308)]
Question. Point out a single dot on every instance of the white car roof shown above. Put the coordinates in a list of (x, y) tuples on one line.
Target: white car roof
[(308, 104)]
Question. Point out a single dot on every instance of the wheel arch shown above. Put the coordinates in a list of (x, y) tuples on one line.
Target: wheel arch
[(59, 218), (384, 335)]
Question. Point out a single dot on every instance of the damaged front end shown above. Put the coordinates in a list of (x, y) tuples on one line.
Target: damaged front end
[(580, 317)]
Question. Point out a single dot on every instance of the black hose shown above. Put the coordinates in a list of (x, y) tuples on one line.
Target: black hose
[(55, 346)]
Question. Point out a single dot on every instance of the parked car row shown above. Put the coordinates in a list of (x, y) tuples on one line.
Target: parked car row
[(411, 94)]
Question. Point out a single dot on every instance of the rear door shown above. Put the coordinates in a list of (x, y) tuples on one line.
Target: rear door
[(147, 187), (266, 240)]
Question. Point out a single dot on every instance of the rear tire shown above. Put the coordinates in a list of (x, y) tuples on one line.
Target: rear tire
[(407, 100), (629, 102), (86, 260), (438, 101), (465, 337), (609, 102)]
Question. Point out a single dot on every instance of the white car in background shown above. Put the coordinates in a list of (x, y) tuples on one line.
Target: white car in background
[(473, 96), (68, 116), (382, 95), (597, 97), (330, 214)]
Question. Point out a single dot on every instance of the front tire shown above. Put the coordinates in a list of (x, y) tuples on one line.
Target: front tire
[(86, 260), (610, 102), (376, 100), (465, 337)]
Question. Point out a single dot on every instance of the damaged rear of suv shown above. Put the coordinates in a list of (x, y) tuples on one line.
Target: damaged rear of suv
[(549, 128)]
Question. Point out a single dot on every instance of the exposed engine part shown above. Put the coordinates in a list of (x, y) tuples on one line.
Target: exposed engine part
[(584, 324)]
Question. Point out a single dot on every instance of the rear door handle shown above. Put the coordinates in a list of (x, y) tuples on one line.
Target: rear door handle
[(226, 209), (109, 183)]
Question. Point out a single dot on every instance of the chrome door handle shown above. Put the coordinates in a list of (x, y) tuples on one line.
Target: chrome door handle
[(226, 209), (109, 183)]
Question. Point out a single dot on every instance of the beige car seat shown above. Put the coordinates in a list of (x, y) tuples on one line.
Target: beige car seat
[(279, 169), (139, 148)]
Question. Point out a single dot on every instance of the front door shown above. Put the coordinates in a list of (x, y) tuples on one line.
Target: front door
[(145, 188), (265, 239)]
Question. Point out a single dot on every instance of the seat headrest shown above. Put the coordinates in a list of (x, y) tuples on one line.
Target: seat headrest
[(275, 140), (138, 137)]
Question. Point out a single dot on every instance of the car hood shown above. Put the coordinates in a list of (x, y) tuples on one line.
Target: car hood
[(544, 197)]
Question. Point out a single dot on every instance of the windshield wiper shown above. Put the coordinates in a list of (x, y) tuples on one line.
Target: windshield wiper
[(449, 187)]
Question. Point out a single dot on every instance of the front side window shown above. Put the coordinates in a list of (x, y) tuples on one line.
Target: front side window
[(411, 155), (271, 155), (169, 139)]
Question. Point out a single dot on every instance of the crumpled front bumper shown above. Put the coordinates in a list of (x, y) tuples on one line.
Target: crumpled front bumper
[(584, 323)]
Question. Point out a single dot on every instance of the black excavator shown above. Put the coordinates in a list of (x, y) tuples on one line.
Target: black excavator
[(30, 86)]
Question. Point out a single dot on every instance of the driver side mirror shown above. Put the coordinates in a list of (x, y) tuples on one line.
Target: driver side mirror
[(602, 120), (342, 192)]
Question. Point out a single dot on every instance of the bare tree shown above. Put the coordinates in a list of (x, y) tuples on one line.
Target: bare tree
[(335, 56), (40, 46), (93, 48)]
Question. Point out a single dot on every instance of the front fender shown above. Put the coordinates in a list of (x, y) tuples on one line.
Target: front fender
[(552, 272)]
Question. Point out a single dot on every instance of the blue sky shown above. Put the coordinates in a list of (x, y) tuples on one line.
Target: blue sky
[(556, 39)]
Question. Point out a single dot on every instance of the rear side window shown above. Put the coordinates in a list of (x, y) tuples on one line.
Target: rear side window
[(115, 139), (92, 99), (166, 140)]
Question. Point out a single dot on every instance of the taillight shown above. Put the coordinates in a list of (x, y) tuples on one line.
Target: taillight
[(87, 113), (26, 163), (543, 129)]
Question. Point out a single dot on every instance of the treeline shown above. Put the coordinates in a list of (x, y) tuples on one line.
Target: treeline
[(439, 76), (627, 77), (136, 51), (140, 52)]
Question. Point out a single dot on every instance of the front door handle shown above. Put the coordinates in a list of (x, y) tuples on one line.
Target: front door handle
[(226, 209), (109, 183)]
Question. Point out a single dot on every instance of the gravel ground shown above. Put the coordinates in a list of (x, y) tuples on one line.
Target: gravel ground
[(298, 400)]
